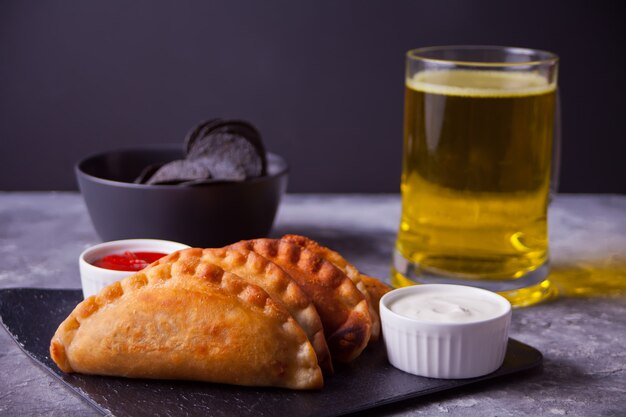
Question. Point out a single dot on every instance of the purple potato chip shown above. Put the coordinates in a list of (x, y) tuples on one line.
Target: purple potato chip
[(229, 156), (225, 169), (146, 173), (180, 170), (216, 150), (238, 128), (200, 131)]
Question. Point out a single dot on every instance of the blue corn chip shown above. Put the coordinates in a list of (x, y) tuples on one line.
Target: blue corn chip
[(178, 171), (195, 140), (215, 150), (229, 156)]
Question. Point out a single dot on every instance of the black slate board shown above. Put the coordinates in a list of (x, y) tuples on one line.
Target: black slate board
[(31, 317)]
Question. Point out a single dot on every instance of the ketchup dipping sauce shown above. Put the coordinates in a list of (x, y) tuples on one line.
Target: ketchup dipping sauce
[(128, 261), (103, 264)]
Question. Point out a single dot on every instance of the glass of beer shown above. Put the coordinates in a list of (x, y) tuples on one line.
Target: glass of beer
[(480, 149)]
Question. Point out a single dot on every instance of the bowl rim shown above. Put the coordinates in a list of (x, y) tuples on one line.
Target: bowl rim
[(79, 171)]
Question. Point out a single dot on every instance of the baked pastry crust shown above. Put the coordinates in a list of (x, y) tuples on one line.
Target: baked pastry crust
[(342, 307), (281, 287), (347, 268), (376, 289), (184, 318)]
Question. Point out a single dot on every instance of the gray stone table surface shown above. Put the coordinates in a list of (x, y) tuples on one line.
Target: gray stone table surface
[(582, 333)]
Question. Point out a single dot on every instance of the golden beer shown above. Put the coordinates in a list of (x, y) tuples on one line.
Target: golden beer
[(476, 173)]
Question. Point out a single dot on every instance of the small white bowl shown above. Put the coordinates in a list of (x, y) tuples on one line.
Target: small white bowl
[(450, 348), (94, 278)]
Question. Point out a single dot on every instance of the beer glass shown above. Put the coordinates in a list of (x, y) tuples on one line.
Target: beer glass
[(480, 153)]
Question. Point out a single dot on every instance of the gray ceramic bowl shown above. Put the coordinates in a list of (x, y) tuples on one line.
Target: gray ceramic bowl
[(208, 215)]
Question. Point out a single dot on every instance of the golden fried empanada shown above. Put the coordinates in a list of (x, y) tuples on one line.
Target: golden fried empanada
[(281, 287), (182, 318), (347, 268), (342, 307), (376, 289)]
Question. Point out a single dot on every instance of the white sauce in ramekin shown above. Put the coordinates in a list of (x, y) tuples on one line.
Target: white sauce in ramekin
[(443, 307), (445, 331)]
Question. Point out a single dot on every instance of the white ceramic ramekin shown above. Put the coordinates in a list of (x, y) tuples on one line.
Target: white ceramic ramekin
[(93, 278), (446, 349)]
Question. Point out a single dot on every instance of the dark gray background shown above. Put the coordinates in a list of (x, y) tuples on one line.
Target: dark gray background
[(323, 80)]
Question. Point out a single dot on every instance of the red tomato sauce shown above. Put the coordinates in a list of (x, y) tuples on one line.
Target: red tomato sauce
[(128, 261)]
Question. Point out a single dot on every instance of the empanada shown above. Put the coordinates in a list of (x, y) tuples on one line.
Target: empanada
[(182, 318), (347, 268), (281, 287), (342, 307), (376, 289)]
